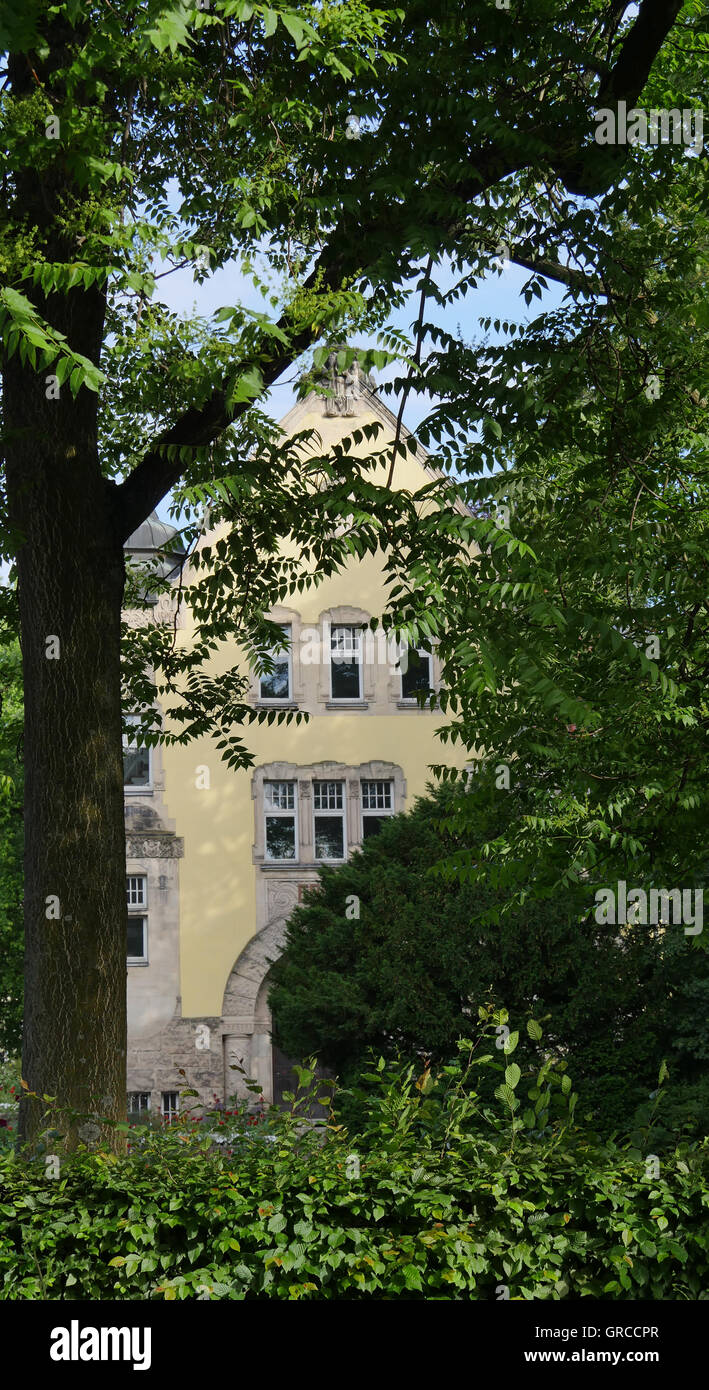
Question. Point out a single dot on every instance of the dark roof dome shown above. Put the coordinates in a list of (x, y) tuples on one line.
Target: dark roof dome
[(152, 534), (155, 545)]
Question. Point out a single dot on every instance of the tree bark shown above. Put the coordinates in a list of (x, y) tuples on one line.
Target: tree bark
[(71, 577)]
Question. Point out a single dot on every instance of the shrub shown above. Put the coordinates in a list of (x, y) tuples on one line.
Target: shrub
[(9, 1089), (404, 973), (438, 1196)]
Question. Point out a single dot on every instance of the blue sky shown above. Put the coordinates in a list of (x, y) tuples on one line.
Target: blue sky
[(498, 295)]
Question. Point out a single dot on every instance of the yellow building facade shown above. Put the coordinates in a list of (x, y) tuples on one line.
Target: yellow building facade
[(217, 858)]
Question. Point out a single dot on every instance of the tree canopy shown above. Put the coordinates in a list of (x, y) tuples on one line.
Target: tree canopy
[(139, 138), (388, 955)]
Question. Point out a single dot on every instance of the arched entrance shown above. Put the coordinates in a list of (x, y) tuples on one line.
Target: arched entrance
[(248, 1025), (283, 1078), (246, 1017)]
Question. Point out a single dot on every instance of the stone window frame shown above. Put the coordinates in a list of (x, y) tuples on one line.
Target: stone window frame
[(303, 774), (378, 812), (145, 958), (281, 813), (173, 1110), (287, 617), (312, 686), (274, 701), (142, 788), (344, 615), (142, 1109), (155, 788), (341, 813), (395, 686), (143, 904)]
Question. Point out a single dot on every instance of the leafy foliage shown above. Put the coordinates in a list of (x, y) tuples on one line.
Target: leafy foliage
[(427, 950), (186, 137), (575, 643), (144, 137), (437, 1196)]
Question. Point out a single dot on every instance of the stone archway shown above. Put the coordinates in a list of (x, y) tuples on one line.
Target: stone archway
[(246, 1018), (272, 1061), (247, 1023)]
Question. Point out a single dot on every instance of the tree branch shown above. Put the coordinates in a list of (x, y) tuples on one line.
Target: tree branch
[(590, 171), (553, 270), (638, 51), (582, 171)]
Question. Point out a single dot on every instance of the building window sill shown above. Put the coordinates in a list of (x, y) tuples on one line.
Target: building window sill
[(279, 865), (346, 704), (276, 704)]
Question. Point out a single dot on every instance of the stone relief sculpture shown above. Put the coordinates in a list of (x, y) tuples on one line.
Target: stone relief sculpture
[(282, 898), (345, 386), (155, 847)]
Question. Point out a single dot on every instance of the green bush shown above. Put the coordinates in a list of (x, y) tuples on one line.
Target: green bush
[(387, 954), (9, 1091), (437, 1196)]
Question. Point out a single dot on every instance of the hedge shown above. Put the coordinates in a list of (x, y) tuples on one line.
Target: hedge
[(435, 1197)]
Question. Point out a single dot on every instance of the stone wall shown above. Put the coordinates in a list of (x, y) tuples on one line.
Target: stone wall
[(187, 1054)]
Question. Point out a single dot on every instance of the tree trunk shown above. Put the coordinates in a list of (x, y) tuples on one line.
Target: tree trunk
[(71, 575)]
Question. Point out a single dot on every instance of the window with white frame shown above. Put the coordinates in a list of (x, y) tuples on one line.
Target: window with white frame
[(377, 804), (281, 820), (136, 762), (329, 835), (346, 663), (139, 1106), (416, 673), (137, 942), (277, 683), (136, 890), (170, 1104)]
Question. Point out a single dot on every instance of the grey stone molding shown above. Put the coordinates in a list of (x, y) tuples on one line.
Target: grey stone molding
[(155, 847)]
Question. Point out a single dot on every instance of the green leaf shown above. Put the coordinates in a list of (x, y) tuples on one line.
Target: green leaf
[(295, 27), (505, 1093), (171, 31)]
